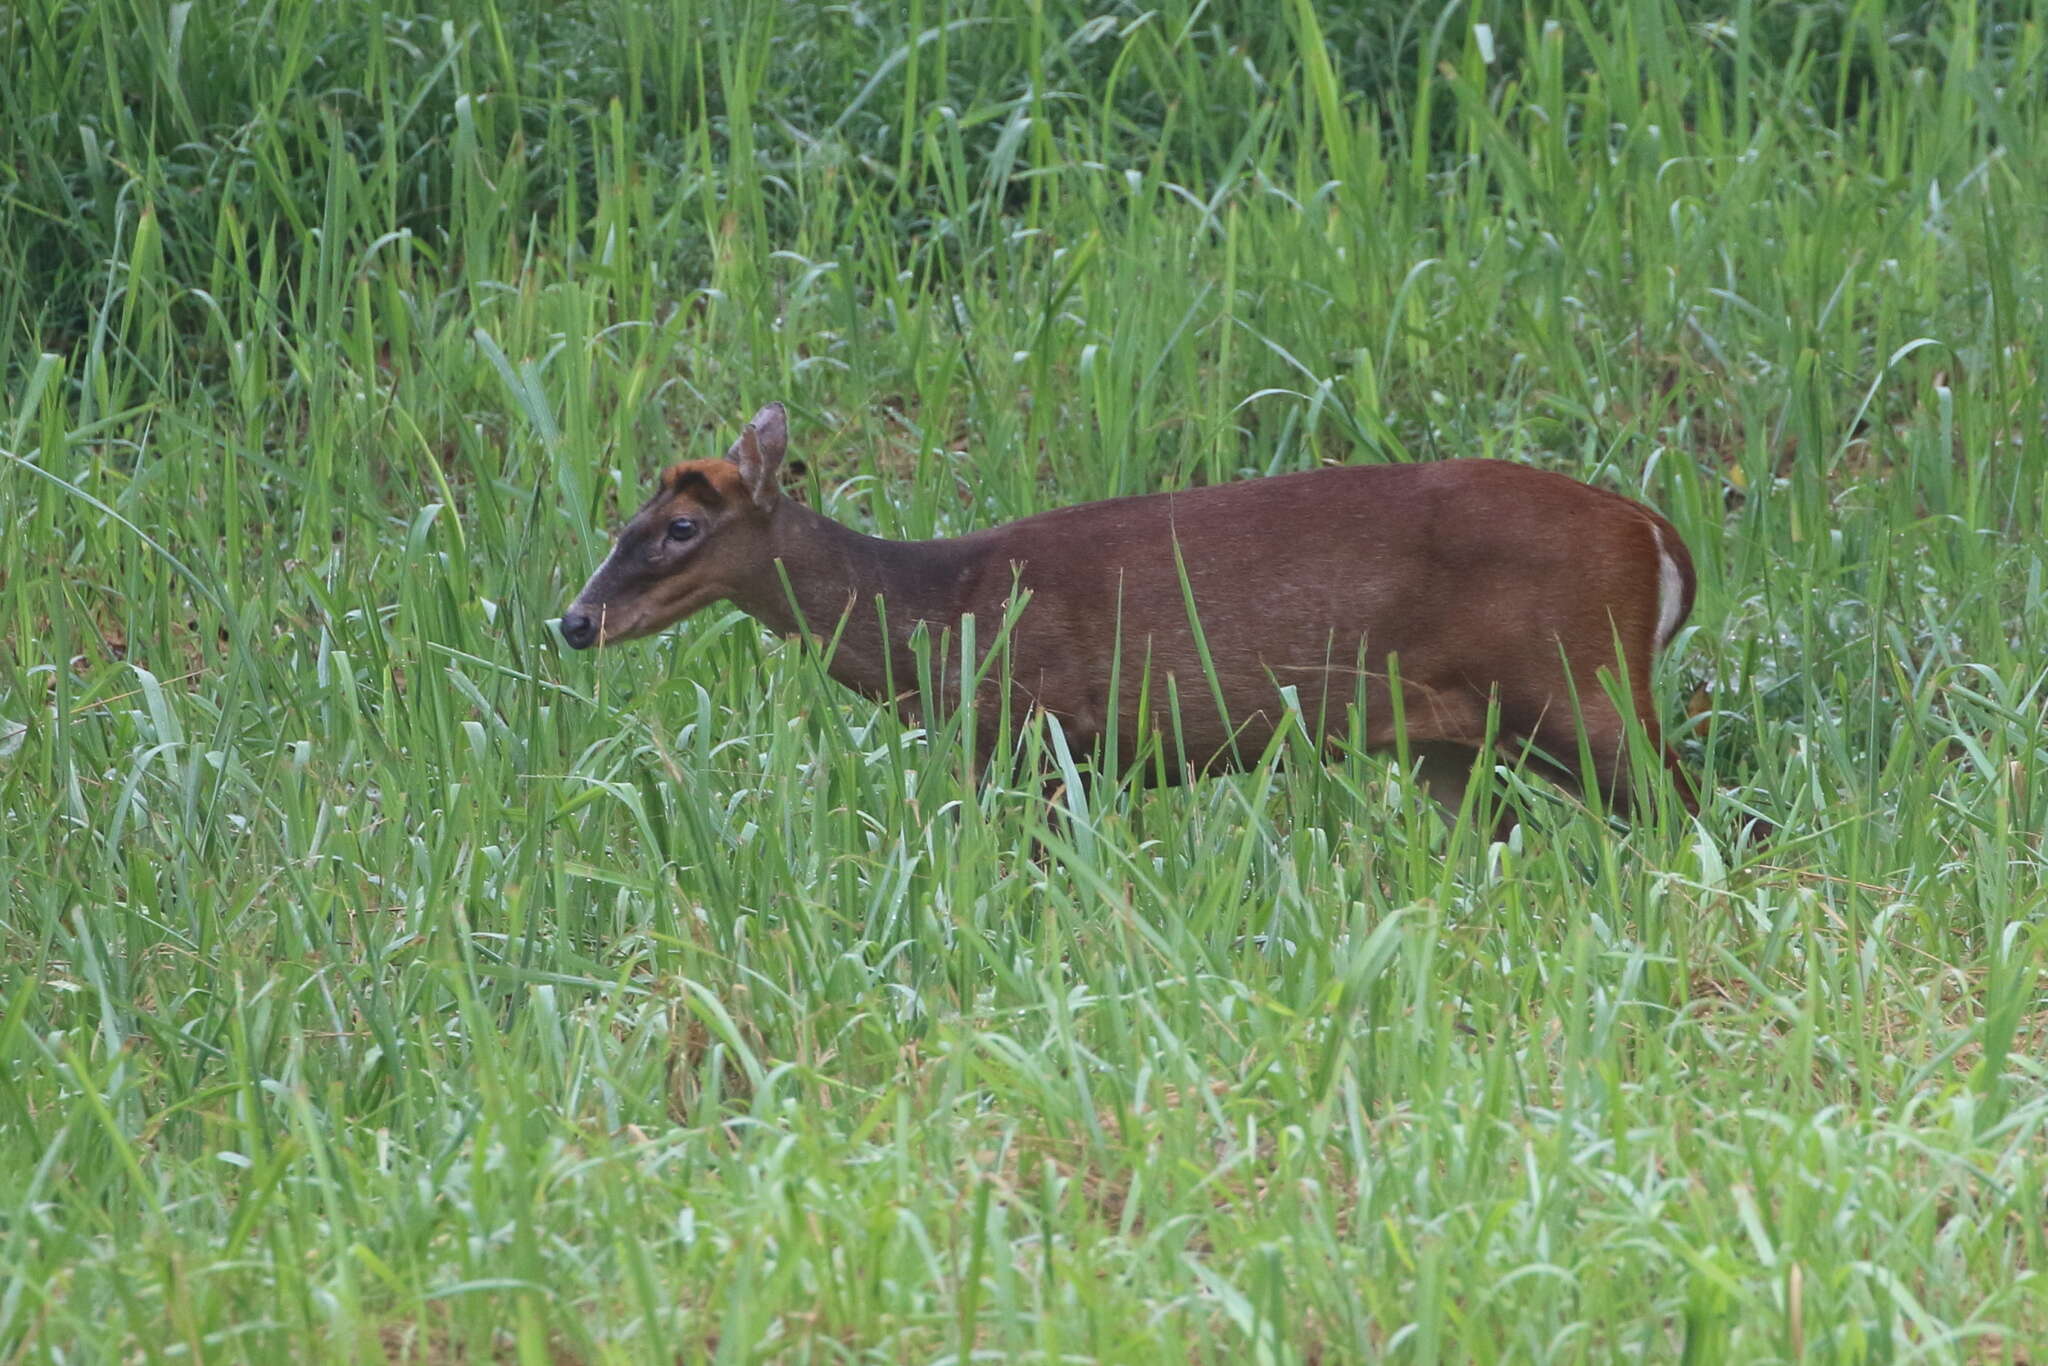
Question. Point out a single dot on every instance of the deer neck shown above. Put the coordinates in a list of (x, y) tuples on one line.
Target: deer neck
[(834, 577)]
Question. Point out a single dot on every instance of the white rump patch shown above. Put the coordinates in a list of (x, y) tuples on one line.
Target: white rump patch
[(1670, 590)]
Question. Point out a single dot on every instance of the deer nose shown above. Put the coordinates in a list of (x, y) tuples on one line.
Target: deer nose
[(579, 629)]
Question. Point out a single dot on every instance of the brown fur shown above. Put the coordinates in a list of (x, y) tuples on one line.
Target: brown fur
[(1477, 579)]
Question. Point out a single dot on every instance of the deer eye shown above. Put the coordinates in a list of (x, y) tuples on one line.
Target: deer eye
[(682, 529)]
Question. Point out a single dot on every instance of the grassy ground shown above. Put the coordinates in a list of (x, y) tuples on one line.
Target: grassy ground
[(384, 983)]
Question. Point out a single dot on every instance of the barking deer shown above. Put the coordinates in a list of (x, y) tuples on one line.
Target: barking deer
[(1468, 586)]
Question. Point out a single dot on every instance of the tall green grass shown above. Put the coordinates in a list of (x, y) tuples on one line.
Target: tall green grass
[(386, 984)]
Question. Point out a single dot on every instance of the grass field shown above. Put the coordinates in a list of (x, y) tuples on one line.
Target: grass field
[(385, 983)]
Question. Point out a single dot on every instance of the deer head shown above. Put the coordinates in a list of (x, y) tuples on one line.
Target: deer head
[(702, 535)]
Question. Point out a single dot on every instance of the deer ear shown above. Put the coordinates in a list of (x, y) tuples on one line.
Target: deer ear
[(759, 451)]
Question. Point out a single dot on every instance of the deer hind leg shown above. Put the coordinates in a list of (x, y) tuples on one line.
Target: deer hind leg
[(1445, 737), (1653, 735), (1754, 830), (1446, 770), (1604, 730)]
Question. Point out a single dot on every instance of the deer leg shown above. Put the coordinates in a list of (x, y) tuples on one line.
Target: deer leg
[(1605, 733), (1446, 769)]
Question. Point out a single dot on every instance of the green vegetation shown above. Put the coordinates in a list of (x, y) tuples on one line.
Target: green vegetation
[(385, 984)]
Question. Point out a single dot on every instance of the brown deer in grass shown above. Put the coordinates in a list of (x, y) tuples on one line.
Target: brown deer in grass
[(1468, 585)]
